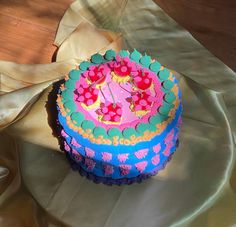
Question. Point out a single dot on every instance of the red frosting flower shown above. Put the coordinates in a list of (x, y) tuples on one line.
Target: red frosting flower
[(97, 74), (110, 112), (122, 67), (142, 79), (142, 100), (86, 94)]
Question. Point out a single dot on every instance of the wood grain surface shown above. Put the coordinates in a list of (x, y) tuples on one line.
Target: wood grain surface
[(211, 22), (28, 27)]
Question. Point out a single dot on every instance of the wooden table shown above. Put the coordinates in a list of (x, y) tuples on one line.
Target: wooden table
[(27, 28)]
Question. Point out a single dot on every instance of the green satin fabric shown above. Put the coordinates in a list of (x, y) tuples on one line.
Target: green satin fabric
[(198, 186)]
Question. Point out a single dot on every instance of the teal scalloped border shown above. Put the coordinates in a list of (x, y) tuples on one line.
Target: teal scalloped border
[(145, 61)]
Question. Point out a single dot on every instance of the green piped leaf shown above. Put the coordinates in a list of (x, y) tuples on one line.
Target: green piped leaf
[(164, 74), (142, 127), (97, 59), (135, 55), (168, 84), (165, 108), (110, 55), (77, 118), (70, 106), (156, 119), (99, 131), (67, 95), (114, 132), (84, 65), (87, 125), (170, 97), (155, 66), (75, 74), (128, 132), (70, 84), (124, 53), (145, 60)]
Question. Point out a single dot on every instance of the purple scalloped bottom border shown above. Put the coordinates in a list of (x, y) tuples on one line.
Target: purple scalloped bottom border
[(109, 181)]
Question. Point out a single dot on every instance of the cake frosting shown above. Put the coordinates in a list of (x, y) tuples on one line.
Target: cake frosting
[(119, 116)]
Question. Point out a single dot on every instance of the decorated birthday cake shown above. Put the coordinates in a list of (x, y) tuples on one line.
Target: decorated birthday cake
[(119, 116)]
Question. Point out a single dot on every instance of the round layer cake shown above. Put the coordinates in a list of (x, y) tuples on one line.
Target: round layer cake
[(119, 116)]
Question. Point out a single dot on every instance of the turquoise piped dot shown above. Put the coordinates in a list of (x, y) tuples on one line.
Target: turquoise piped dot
[(168, 84), (77, 118), (145, 60), (110, 55), (66, 95), (124, 53), (128, 132), (135, 55), (114, 132), (152, 128), (155, 66), (142, 127), (164, 74), (84, 65), (75, 74), (70, 84), (170, 97), (70, 106), (165, 109), (97, 59), (87, 125), (99, 131), (157, 119)]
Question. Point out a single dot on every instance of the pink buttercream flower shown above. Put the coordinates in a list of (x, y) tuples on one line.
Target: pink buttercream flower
[(64, 134), (169, 138), (179, 122), (141, 153), (108, 169), (156, 148), (123, 157), (77, 156), (106, 156), (89, 152), (159, 98), (156, 160), (124, 169), (166, 152), (90, 164), (141, 166), (74, 143), (66, 146)]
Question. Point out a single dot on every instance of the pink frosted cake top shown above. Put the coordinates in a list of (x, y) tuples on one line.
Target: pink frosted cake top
[(119, 98), (118, 94)]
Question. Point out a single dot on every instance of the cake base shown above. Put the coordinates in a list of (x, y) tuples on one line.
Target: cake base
[(109, 181)]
